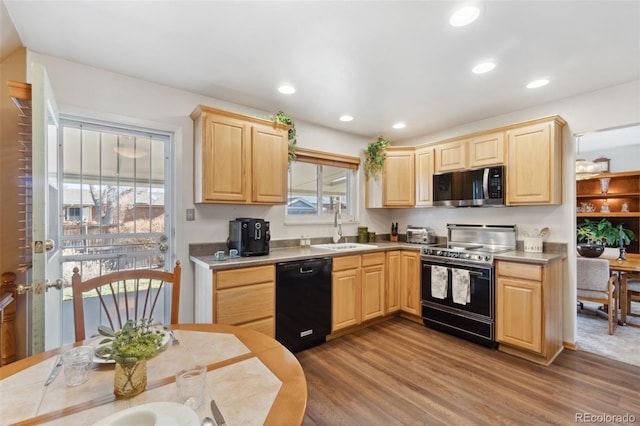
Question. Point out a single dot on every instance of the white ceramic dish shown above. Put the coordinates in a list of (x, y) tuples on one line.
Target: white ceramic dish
[(153, 413), (96, 344)]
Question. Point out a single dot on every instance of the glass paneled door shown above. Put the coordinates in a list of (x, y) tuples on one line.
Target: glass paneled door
[(44, 302), (115, 205)]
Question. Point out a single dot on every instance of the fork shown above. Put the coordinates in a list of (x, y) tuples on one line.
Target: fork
[(174, 340)]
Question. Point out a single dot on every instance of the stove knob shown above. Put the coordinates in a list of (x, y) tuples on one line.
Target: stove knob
[(466, 255), (439, 252), (487, 258)]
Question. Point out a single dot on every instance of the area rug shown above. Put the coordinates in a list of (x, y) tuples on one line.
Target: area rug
[(593, 336)]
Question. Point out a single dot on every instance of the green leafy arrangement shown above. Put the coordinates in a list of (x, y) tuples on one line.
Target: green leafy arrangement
[(375, 156), (137, 340), (282, 118), (603, 232)]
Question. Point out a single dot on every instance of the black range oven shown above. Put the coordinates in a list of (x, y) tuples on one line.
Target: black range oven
[(458, 284), (473, 318)]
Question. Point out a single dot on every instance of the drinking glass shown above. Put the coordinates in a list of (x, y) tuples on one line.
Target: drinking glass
[(77, 364), (190, 383)]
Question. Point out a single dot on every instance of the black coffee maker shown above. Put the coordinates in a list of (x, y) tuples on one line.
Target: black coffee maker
[(249, 236)]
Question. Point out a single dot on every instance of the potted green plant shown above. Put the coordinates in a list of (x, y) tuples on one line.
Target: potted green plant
[(282, 118), (375, 156), (597, 235), (130, 347)]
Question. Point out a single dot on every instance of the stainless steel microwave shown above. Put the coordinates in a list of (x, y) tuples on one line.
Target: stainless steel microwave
[(469, 188)]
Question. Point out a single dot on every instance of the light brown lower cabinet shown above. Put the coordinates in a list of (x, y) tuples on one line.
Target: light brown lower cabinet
[(358, 286), (410, 294), (529, 309), (246, 297), (392, 285)]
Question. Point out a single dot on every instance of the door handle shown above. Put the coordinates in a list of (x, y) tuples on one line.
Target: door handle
[(38, 287), (47, 245)]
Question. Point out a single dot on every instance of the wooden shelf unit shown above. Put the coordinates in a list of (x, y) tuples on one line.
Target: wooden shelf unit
[(624, 187)]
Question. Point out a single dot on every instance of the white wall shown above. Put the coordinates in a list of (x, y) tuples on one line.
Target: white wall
[(95, 93)]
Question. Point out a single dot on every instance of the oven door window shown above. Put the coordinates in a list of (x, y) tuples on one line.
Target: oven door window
[(480, 288)]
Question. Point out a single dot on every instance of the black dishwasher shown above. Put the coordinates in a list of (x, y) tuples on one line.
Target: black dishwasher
[(303, 303)]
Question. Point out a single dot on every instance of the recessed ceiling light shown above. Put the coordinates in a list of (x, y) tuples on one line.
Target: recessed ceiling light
[(464, 16), (483, 67), (346, 118), (537, 83), (286, 89), (399, 125)]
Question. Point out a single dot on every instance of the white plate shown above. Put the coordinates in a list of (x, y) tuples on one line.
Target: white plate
[(153, 413), (96, 344)]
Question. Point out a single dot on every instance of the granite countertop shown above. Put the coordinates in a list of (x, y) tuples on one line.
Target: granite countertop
[(286, 254)]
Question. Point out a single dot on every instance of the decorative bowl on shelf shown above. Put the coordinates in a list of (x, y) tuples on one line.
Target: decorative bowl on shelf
[(590, 250)]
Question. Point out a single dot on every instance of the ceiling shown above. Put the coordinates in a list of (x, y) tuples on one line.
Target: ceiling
[(379, 61)]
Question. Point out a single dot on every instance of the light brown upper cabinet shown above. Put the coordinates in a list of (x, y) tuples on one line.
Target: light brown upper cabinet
[(451, 156), (486, 150), (395, 186), (399, 178), (534, 169), (238, 159), (424, 176)]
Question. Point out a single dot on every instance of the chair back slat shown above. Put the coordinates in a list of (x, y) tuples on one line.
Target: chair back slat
[(104, 306), (128, 285), (116, 304), (155, 299)]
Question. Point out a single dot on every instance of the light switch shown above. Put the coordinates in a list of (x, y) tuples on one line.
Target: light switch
[(191, 215)]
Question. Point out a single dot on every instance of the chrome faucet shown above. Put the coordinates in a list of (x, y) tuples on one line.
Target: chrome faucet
[(337, 222)]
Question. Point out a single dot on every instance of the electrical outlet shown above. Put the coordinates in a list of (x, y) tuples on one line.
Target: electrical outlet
[(191, 215)]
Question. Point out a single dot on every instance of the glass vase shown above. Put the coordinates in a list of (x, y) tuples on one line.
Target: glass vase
[(604, 185), (130, 380)]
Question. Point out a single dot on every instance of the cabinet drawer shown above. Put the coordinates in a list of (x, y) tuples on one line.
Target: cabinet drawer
[(525, 271), (244, 276), (346, 262), (373, 259), (243, 304), (264, 326)]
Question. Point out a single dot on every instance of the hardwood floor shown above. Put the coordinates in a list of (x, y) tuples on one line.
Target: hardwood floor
[(401, 373)]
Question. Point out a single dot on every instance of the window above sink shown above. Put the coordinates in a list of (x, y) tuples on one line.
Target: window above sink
[(316, 180)]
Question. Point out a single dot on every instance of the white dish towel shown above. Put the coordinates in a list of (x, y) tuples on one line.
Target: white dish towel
[(460, 286), (438, 282)]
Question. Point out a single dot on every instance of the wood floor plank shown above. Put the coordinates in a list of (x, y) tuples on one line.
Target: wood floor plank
[(399, 372)]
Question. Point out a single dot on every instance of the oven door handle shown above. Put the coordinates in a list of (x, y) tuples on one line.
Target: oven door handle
[(470, 272)]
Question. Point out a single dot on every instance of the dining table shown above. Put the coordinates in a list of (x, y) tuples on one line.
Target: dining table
[(253, 379), (627, 268)]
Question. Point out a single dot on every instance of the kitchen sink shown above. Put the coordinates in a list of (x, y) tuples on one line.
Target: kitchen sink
[(344, 246)]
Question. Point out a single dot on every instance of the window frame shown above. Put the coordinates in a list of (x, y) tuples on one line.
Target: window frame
[(321, 158)]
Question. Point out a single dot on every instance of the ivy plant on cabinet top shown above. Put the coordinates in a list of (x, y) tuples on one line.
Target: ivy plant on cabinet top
[(375, 156), (282, 118)]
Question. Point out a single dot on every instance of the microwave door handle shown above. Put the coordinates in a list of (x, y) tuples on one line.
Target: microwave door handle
[(485, 183)]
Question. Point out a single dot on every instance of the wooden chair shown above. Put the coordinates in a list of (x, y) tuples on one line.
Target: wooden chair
[(125, 295), (595, 284), (633, 294)]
